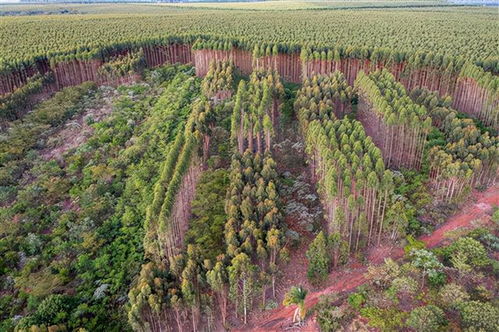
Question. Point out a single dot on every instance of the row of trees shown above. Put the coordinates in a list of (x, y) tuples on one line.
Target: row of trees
[(461, 155), (256, 112), (218, 81), (355, 187), (174, 283), (253, 232), (396, 124)]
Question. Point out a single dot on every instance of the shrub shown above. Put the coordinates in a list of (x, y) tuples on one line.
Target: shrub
[(436, 278), (469, 251), (452, 294), (495, 216), (383, 275), (384, 319), (413, 243), (331, 318), (426, 319), (429, 264), (405, 285), (356, 300), (479, 315)]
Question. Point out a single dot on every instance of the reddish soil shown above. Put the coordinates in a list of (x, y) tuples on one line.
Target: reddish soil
[(476, 212)]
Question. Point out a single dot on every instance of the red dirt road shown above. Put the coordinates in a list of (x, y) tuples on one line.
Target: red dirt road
[(477, 209)]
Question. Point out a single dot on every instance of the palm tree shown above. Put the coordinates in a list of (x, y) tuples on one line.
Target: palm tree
[(296, 295)]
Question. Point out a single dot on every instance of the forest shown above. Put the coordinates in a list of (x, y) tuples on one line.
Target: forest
[(234, 167)]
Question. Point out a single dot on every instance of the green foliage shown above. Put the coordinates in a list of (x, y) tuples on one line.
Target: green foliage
[(122, 65), (384, 319), (52, 310), (85, 215), (35, 127), (383, 275), (479, 315), (318, 259), (356, 300), (426, 319), (331, 317), (296, 295), (404, 286), (206, 227), (13, 105), (466, 253), (413, 244), (495, 215), (452, 294)]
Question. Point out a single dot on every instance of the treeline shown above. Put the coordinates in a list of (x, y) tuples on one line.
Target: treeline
[(396, 124), (461, 155), (256, 112)]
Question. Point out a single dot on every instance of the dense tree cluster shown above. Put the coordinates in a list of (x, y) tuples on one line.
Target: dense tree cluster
[(481, 97), (120, 66), (218, 81), (324, 96), (355, 186), (461, 155), (256, 112), (468, 158), (396, 124)]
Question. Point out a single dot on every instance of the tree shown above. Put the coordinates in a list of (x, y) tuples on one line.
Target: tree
[(426, 319), (296, 296), (318, 259), (274, 245), (190, 284), (427, 262), (242, 279), (218, 279)]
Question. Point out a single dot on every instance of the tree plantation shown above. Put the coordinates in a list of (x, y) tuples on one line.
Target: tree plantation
[(263, 166)]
